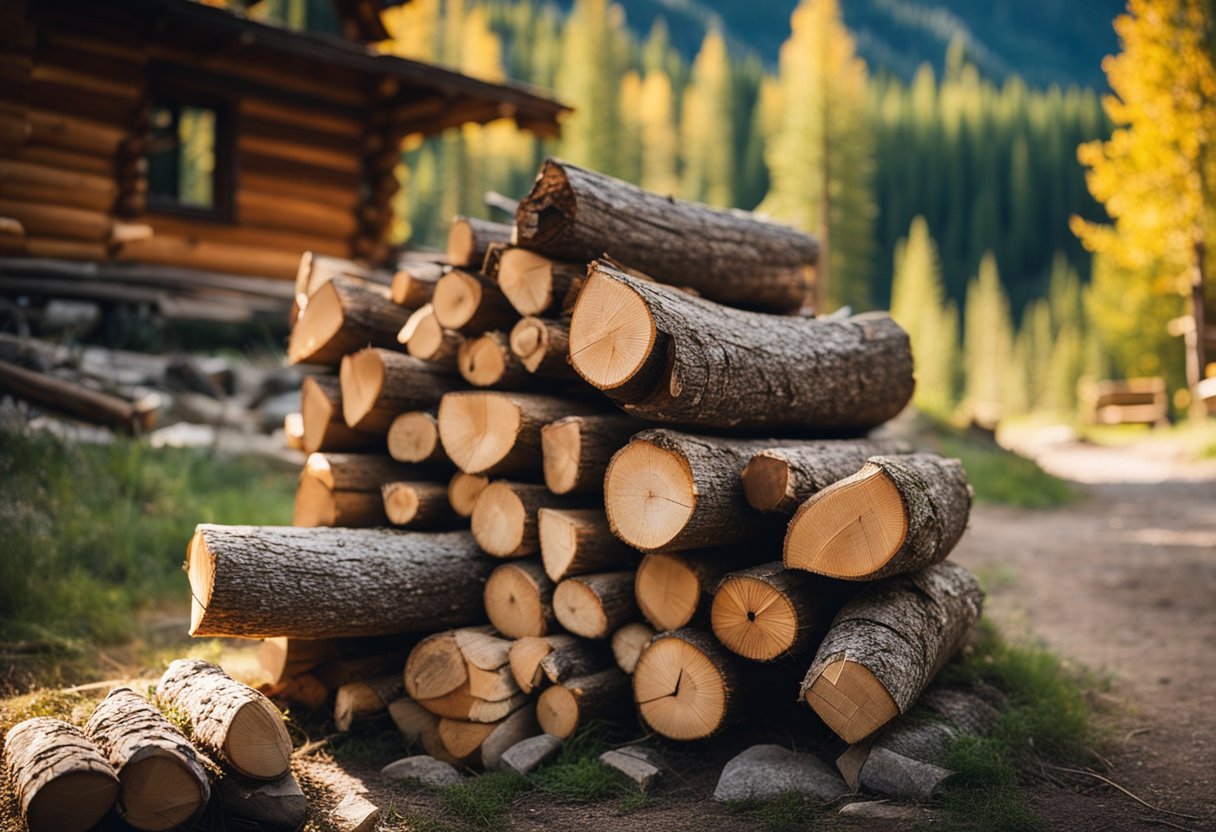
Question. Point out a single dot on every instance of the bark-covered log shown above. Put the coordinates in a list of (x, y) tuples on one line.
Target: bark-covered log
[(536, 285), (427, 341), (579, 541), (628, 644), (231, 721), (577, 450), (519, 600), (782, 478), (592, 606), (318, 269), (263, 581), (886, 645), (463, 491), (562, 708), (669, 357), (730, 256), (686, 686), (324, 428), (281, 658), (414, 437), (895, 515), (413, 285), (469, 657), (378, 385), (365, 697), (487, 361), (318, 505), (469, 302), (355, 472), (542, 347), (342, 316), (76, 400), (417, 505), (469, 238), (516, 728), (505, 517), (164, 784), (61, 781), (669, 491), (675, 589)]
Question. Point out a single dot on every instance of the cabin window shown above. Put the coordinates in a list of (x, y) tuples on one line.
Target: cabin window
[(188, 159)]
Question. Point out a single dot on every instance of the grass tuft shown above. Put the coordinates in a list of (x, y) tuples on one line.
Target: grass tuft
[(788, 812), (484, 800)]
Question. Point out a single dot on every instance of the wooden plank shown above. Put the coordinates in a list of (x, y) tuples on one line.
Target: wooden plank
[(313, 118), (347, 162), (57, 221), (246, 235), (66, 160), (220, 257)]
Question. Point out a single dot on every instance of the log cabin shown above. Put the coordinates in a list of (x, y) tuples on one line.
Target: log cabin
[(151, 145)]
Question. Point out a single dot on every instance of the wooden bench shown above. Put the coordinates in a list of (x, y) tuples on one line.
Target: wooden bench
[(1126, 402)]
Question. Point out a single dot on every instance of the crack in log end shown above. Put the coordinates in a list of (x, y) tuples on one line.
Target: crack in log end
[(683, 685)]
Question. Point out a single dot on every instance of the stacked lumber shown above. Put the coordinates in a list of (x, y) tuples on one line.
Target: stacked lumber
[(648, 474)]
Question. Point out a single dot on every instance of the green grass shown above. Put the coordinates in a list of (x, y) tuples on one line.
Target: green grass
[(483, 801), (788, 812), (1002, 477), (93, 533)]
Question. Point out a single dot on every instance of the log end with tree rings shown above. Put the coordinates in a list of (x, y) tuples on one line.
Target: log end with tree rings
[(499, 520), (754, 618), (463, 491), (362, 376), (519, 600), (526, 278), (649, 495), (317, 326), (766, 481), (414, 437), (850, 700), (668, 590), (612, 334), (685, 686), (478, 430), (456, 299), (561, 444)]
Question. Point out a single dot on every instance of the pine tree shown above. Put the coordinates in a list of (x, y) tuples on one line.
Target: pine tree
[(593, 60), (659, 144), (918, 303), (987, 344), (706, 127)]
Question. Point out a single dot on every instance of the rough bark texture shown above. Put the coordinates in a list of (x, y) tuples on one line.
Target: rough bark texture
[(542, 347), (275, 806), (368, 316), (562, 708), (470, 238), (324, 429), (729, 256), (903, 630), (417, 505), (729, 369), (82, 402), (578, 541), (409, 384), (807, 468), (318, 505), (129, 730), (610, 592), (516, 728), (572, 658), (577, 449), (212, 702), (727, 671), (356, 472), (41, 751), (320, 583), (488, 361)]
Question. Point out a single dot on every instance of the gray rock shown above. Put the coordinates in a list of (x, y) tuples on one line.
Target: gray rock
[(274, 806), (635, 763), (881, 810), (355, 814), (527, 754), (891, 774), (424, 769), (766, 771)]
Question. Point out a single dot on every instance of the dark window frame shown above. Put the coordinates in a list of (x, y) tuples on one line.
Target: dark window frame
[(182, 93)]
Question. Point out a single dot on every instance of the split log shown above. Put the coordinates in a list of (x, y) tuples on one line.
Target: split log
[(414, 437), (231, 721), (379, 384), (470, 302), (505, 518), (324, 427), (474, 659), (317, 505), (578, 541), (628, 644), (365, 697), (555, 658), (534, 284), (463, 491), (462, 705), (513, 730), (781, 479), (61, 781), (577, 449), (542, 347), (498, 433), (670, 357), (425, 339), (686, 686), (480, 745), (164, 785), (414, 285), (674, 589), (342, 316), (81, 402), (487, 361), (895, 515), (885, 646), (593, 606), (562, 708), (728, 256), (470, 237), (669, 491), (411, 719), (519, 600), (261, 581), (417, 505)]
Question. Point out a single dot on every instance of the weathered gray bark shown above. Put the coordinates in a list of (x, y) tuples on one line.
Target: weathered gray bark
[(612, 594), (262, 581), (725, 664), (470, 238), (561, 709), (713, 366), (806, 468), (573, 657), (578, 541), (409, 384), (730, 256), (324, 428), (577, 449), (368, 316), (51, 766)]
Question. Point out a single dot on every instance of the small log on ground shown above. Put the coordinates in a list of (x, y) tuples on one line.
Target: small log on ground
[(83, 403), (534, 284), (781, 479), (414, 437), (885, 646), (730, 256), (324, 428), (463, 491), (427, 341), (417, 505), (232, 722), (268, 806), (505, 517), (364, 698), (686, 686), (61, 781), (519, 600), (897, 514), (378, 385), (628, 644), (410, 718), (487, 361), (542, 347), (675, 589), (562, 708), (263, 581), (470, 237), (578, 541), (469, 302), (414, 285), (593, 606), (577, 450), (342, 316), (670, 357)]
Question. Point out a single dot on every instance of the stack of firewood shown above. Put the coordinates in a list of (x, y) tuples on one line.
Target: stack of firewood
[(488, 418)]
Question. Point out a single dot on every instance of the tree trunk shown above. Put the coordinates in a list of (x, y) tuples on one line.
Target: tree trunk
[(418, 505), (61, 781), (324, 428), (887, 644), (341, 317), (469, 238), (686, 686), (593, 606), (414, 437), (469, 302), (562, 708), (728, 256), (542, 347), (488, 361), (414, 285), (426, 340), (782, 478), (578, 541), (81, 402), (230, 721), (895, 515), (519, 600), (1197, 362), (505, 517), (164, 784), (576, 450), (365, 697), (628, 644), (536, 285), (670, 357), (378, 385), (261, 581)]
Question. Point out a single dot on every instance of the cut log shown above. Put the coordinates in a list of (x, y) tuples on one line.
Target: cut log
[(324, 427), (728, 256), (470, 237), (675, 589), (282, 658), (318, 505), (628, 644), (534, 284), (425, 339), (293, 431), (783, 478), (342, 316), (885, 646), (592, 606), (519, 600), (463, 491), (498, 433), (504, 518), (164, 785), (561, 709), (231, 721), (487, 361), (81, 402), (542, 347), (414, 285), (378, 385), (895, 515), (489, 263), (365, 698), (445, 662), (433, 745), (318, 269), (516, 728), (554, 659), (355, 472), (417, 505), (61, 781), (470, 302), (462, 705), (669, 491), (414, 437), (577, 449), (410, 718), (670, 357), (263, 581), (578, 541), (686, 686)]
